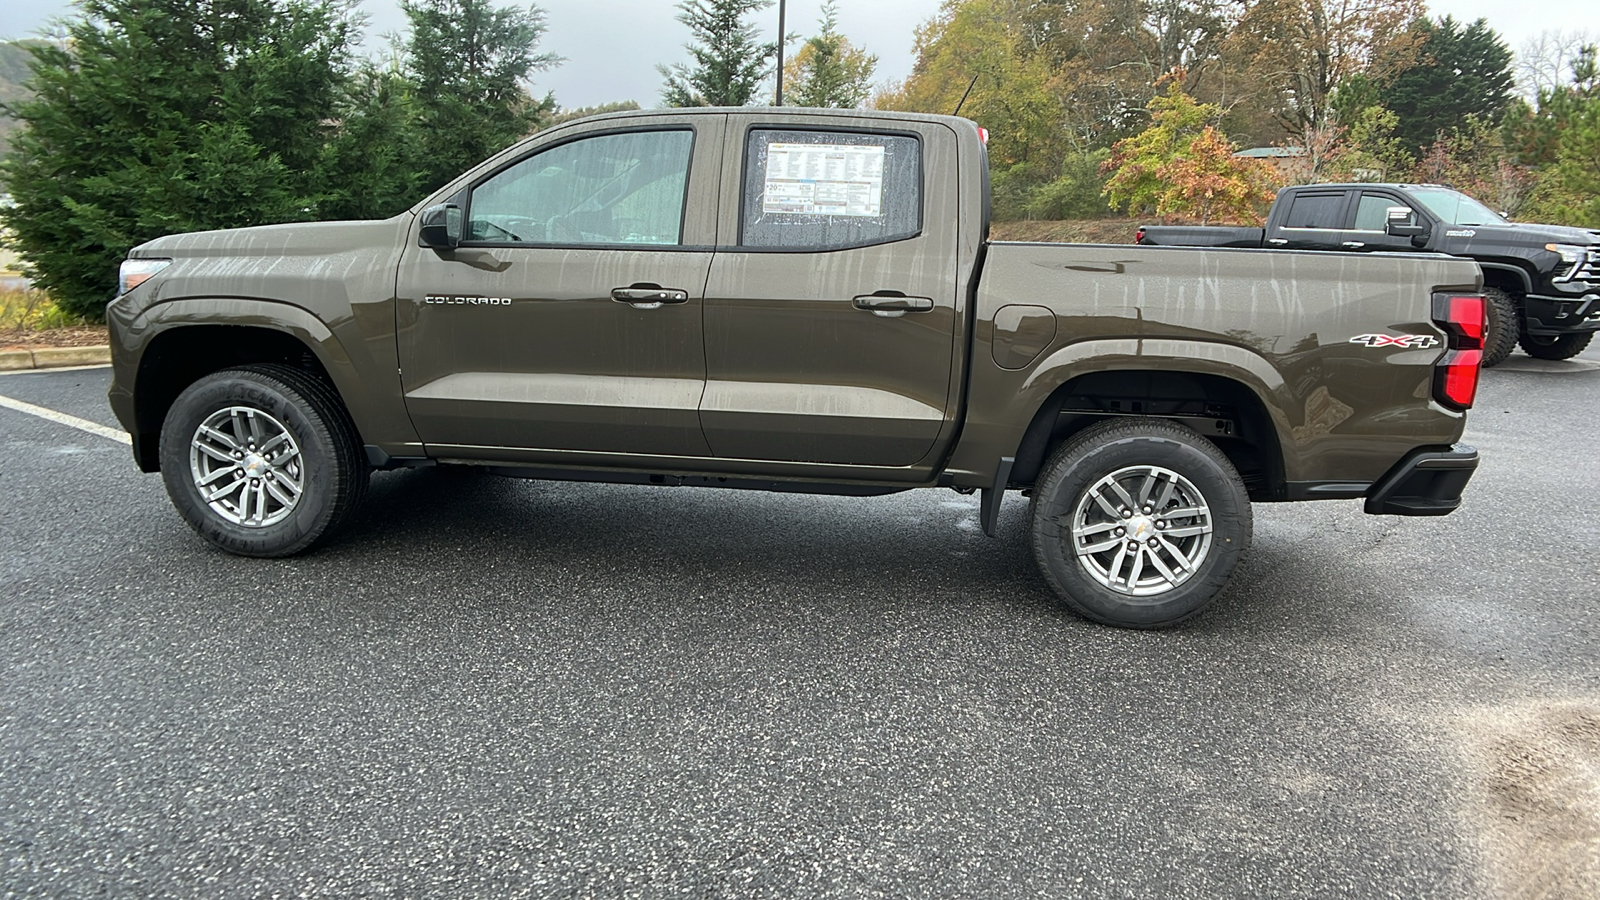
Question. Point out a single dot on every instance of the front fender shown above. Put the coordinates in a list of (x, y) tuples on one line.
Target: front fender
[(363, 367)]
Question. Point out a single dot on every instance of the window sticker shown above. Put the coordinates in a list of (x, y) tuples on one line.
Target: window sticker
[(824, 180)]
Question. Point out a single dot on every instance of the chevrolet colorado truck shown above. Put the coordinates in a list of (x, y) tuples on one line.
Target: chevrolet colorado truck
[(793, 300), (1541, 282)]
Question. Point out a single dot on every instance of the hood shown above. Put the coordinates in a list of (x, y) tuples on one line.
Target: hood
[(1531, 231), (287, 240)]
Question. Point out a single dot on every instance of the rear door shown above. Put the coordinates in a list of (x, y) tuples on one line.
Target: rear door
[(568, 322), (831, 309), (1315, 220)]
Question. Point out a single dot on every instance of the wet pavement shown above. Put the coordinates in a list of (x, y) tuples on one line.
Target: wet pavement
[(501, 688)]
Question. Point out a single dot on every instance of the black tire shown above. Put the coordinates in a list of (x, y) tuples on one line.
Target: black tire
[(1555, 346), (1502, 326), (1061, 495), (332, 469)]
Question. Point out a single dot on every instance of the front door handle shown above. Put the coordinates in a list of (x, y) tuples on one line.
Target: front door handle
[(1352, 245), (892, 303), (648, 296)]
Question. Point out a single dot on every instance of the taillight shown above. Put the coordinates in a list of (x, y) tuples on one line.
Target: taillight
[(1455, 379), (983, 135), (1138, 236)]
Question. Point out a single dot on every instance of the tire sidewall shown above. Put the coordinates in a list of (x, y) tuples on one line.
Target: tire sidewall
[(311, 515), (1079, 468), (1556, 347), (1503, 326)]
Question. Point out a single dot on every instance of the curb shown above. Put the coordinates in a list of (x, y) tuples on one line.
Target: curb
[(53, 358)]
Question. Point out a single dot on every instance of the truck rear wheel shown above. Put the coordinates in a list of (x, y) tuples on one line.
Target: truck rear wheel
[(261, 460), (1555, 346), (1501, 327), (1139, 523)]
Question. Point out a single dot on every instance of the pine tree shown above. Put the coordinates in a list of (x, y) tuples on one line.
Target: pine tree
[(159, 116), (467, 61), (729, 62), (1463, 71), (828, 71)]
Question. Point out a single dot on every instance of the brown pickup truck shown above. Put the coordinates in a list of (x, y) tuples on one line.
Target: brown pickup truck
[(795, 300)]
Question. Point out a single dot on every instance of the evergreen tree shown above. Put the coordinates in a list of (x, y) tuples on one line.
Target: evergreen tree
[(371, 168), (729, 62), (467, 61), (1463, 71), (828, 71), (159, 116)]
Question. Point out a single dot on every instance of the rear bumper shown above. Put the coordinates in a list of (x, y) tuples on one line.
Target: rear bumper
[(1427, 482), (1561, 315)]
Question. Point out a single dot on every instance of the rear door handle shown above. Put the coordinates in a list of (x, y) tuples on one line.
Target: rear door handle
[(1352, 245), (648, 296), (891, 304)]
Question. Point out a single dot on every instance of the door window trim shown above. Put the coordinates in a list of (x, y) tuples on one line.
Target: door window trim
[(1343, 214), (1422, 214), (739, 246), (683, 213)]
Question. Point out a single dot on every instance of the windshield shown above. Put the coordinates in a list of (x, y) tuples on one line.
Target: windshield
[(1456, 208)]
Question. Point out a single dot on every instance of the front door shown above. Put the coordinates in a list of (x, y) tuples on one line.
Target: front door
[(831, 310), (569, 319)]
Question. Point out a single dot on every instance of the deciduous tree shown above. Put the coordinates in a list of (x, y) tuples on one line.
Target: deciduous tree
[(1292, 54), (1183, 167)]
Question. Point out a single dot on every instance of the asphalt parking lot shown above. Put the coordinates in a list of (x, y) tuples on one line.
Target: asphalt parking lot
[(487, 687)]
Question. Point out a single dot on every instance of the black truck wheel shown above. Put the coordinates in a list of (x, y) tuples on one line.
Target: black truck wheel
[(1139, 523), (261, 460), (1501, 327), (1555, 346)]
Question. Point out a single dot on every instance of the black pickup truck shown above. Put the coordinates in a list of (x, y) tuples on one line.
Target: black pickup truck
[(1542, 282)]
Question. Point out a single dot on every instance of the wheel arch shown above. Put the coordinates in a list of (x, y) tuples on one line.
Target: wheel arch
[(188, 345), (1173, 389), (1508, 277)]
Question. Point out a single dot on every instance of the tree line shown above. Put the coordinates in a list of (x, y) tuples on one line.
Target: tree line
[(1096, 100)]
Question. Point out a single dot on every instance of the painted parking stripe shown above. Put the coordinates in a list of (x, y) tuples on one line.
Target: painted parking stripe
[(64, 419)]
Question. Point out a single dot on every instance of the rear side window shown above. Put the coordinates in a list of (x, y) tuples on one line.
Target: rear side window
[(827, 190), (1315, 211)]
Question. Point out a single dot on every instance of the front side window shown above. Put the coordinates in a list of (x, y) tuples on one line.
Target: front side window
[(826, 190), (1372, 214), (607, 189), (1315, 211)]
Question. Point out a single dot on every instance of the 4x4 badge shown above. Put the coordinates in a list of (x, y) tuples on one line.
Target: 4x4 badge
[(1412, 341)]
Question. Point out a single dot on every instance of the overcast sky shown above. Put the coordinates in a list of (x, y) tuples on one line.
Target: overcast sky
[(612, 46)]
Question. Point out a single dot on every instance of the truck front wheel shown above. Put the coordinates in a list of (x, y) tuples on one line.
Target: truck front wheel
[(1139, 523), (1555, 346), (261, 460), (1501, 327)]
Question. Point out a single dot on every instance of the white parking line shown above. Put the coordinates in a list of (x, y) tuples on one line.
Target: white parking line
[(64, 419)]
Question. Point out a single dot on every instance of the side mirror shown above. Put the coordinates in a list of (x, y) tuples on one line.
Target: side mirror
[(1402, 222), (441, 227)]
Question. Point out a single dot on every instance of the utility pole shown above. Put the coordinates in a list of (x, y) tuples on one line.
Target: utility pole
[(781, 5)]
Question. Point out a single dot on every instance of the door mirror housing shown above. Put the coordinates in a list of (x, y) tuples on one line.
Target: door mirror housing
[(441, 227), (1401, 221)]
